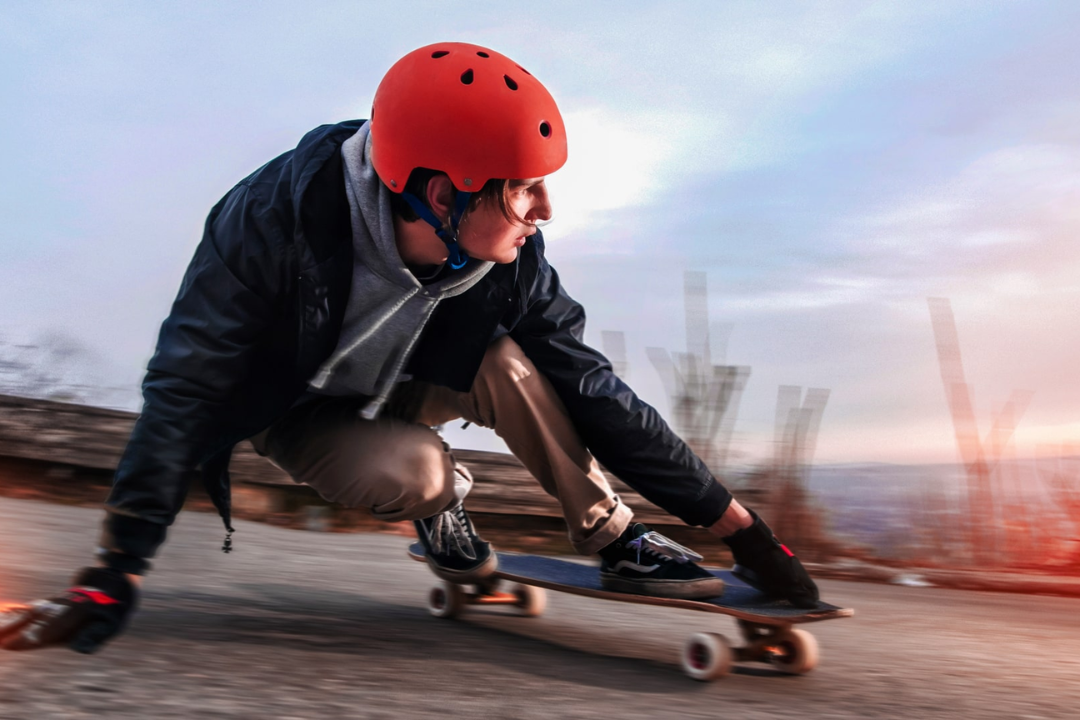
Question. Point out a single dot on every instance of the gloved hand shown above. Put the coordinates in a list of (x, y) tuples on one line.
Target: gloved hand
[(93, 610), (765, 563)]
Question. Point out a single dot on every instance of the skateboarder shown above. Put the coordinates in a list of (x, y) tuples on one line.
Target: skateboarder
[(383, 278)]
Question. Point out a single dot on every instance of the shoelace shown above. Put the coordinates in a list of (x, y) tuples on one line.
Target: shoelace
[(655, 543), (450, 530)]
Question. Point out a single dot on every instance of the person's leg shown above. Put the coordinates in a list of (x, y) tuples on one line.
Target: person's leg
[(400, 470), (510, 396)]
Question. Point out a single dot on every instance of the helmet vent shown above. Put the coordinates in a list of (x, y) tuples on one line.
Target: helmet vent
[(510, 82), (467, 77), (545, 129), (523, 70), (440, 53), (482, 54)]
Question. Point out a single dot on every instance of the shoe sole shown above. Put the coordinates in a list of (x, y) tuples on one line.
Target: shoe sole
[(702, 589), (464, 577)]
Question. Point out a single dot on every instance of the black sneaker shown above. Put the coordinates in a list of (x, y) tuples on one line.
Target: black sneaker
[(644, 562), (453, 549), (763, 562)]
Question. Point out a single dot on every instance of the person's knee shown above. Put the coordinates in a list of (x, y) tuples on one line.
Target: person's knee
[(505, 361), (427, 480)]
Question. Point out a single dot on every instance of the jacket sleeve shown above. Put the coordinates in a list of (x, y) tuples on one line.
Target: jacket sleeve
[(624, 433), (225, 303)]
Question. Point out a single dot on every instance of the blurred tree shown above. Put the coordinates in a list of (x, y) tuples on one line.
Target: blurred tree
[(704, 396), (54, 367)]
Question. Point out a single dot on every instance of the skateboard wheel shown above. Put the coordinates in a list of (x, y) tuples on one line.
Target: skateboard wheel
[(794, 651), (532, 600), (446, 600), (707, 656)]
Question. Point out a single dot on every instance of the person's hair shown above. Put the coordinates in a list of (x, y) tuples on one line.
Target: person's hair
[(495, 191)]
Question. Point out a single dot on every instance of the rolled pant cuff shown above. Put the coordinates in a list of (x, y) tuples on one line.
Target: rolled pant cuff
[(613, 527)]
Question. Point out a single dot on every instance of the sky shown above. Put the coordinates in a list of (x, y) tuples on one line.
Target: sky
[(829, 166)]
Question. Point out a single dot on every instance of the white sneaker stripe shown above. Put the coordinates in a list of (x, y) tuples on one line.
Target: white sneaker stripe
[(634, 566)]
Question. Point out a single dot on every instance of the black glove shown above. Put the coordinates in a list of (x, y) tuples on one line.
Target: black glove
[(764, 563), (93, 610)]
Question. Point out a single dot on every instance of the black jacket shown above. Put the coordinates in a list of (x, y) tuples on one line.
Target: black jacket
[(260, 309)]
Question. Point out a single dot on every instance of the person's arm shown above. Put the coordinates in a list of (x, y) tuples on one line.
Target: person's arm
[(625, 434), (226, 301), (228, 298)]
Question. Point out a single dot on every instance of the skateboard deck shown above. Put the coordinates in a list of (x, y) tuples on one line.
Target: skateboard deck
[(766, 623)]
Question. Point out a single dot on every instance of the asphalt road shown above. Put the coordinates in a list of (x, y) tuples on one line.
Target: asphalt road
[(314, 625)]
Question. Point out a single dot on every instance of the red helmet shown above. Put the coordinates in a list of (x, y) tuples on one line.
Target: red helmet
[(466, 111)]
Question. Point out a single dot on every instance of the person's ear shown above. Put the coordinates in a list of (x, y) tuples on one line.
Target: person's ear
[(440, 196)]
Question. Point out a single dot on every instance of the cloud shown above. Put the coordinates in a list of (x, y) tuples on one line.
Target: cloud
[(700, 96), (1008, 216), (818, 293), (618, 160)]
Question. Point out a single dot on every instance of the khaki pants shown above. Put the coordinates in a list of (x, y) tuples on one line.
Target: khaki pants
[(402, 470)]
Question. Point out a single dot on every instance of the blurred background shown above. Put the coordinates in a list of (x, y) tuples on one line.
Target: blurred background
[(832, 242)]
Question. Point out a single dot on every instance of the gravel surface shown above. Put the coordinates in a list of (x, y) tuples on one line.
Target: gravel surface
[(306, 625)]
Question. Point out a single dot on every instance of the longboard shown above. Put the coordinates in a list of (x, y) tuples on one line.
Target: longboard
[(765, 623)]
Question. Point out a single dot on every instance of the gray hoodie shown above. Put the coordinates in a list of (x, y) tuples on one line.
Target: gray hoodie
[(388, 307)]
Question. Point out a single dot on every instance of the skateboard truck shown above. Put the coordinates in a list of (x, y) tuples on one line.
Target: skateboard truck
[(448, 600)]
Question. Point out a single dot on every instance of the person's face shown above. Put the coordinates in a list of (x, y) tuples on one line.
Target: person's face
[(485, 234)]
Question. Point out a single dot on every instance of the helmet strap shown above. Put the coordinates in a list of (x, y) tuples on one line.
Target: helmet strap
[(457, 257)]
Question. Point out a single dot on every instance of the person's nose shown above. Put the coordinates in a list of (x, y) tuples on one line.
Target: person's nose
[(541, 208)]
